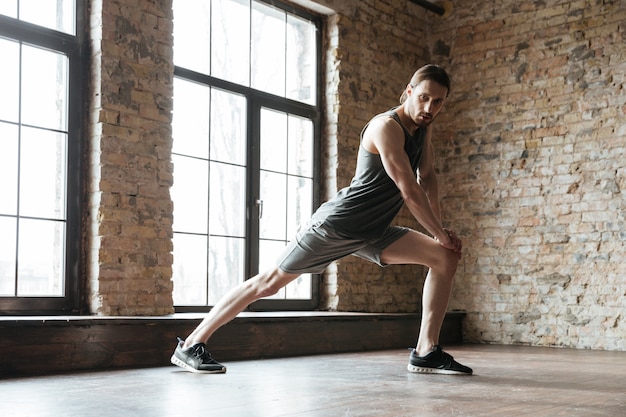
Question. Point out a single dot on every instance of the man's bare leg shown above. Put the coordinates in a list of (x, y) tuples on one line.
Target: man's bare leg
[(435, 297), (417, 248), (236, 300)]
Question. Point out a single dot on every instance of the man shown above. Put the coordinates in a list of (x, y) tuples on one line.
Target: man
[(394, 167)]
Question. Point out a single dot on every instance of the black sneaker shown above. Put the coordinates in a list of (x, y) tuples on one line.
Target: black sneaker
[(436, 362), (196, 359)]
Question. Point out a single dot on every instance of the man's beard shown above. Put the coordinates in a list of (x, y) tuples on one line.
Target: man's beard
[(424, 119)]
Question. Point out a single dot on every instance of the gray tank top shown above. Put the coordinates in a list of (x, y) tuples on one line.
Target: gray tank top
[(366, 208)]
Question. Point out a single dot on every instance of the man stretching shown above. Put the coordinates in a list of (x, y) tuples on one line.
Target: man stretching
[(394, 167)]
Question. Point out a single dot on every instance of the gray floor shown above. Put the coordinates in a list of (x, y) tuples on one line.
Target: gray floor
[(508, 381)]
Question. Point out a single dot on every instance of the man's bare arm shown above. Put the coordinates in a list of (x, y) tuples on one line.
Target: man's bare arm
[(427, 178), (385, 137)]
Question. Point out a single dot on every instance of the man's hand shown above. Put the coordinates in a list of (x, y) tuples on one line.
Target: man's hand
[(454, 243)]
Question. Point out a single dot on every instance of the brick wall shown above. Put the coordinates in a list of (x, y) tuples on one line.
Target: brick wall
[(129, 220), (531, 154)]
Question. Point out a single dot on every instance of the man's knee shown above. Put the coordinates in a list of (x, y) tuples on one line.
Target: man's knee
[(448, 263), (270, 282)]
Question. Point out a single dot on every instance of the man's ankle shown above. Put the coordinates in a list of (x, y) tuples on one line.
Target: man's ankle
[(422, 351)]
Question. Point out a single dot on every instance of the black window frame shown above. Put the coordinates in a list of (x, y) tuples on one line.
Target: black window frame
[(73, 47), (256, 100)]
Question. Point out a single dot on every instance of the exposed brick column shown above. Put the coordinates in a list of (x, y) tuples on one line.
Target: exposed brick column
[(129, 223)]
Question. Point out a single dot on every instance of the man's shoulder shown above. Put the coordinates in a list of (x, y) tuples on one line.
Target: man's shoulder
[(385, 122)]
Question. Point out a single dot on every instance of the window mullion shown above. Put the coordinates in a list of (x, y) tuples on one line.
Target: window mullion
[(254, 179)]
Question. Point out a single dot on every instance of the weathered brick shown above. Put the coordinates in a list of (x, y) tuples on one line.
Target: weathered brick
[(567, 104), (127, 274), (527, 146)]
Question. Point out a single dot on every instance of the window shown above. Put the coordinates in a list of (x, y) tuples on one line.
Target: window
[(246, 139), (40, 119)]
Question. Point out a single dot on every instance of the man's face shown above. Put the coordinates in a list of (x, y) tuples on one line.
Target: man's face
[(425, 101)]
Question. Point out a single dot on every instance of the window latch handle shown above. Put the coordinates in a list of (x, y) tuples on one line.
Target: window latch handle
[(259, 204)]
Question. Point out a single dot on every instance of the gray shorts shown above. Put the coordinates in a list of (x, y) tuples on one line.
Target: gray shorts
[(315, 247)]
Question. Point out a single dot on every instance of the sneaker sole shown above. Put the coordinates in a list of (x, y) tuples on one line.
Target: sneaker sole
[(422, 370), (181, 364)]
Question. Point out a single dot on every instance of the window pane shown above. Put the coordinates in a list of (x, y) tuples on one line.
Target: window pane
[(268, 49), (43, 173), (9, 8), (226, 265), (192, 35), (227, 211), (190, 194), (264, 47), (57, 14), (228, 127), (301, 60), (300, 146), (230, 40), (8, 168), (273, 221), (44, 88), (190, 124), (41, 258), (9, 80), (190, 269), (300, 288), (7, 255), (273, 140), (300, 203)]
